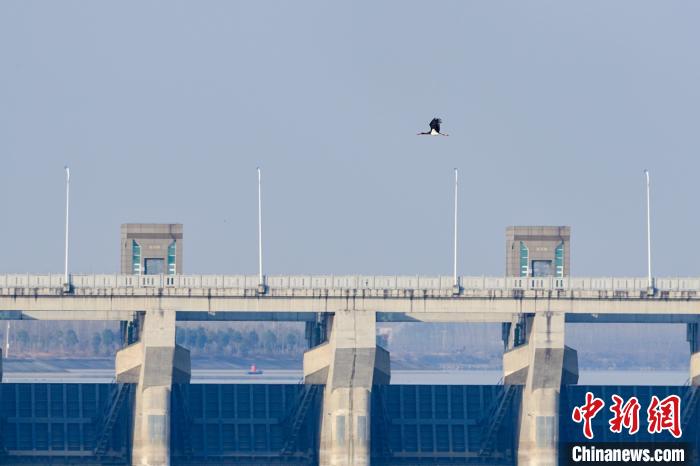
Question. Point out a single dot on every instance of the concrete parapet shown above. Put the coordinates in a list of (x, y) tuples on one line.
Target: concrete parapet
[(517, 361), (316, 364), (515, 364), (130, 361), (348, 364), (154, 363)]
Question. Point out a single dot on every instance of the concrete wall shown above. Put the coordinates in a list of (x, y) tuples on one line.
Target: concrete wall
[(349, 364), (154, 363)]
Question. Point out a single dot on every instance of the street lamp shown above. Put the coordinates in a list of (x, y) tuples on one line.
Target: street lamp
[(455, 280), (66, 278), (261, 278), (650, 280)]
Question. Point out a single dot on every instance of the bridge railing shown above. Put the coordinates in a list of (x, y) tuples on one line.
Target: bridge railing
[(346, 282)]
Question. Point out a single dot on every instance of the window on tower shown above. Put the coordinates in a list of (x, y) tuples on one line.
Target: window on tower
[(135, 258), (542, 268), (155, 266), (172, 249)]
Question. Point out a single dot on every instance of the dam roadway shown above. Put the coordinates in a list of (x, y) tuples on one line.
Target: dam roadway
[(392, 298), (346, 393)]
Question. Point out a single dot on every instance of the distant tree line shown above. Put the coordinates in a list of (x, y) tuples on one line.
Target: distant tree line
[(62, 339), (453, 346), (230, 341), (63, 342)]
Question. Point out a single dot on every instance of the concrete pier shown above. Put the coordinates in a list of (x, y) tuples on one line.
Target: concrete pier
[(154, 363), (349, 363), (542, 365)]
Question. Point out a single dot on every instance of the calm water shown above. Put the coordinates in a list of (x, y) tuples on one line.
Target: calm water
[(494, 376), (86, 372)]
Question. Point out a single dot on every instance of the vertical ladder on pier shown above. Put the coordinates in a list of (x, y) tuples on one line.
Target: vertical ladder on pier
[(116, 401), (495, 418), (384, 421), (690, 402), (3, 449), (185, 420), (298, 416)]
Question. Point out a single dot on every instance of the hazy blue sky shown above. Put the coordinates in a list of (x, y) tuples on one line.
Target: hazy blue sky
[(164, 109)]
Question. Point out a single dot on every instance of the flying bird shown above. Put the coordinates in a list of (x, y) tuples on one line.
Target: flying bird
[(434, 129)]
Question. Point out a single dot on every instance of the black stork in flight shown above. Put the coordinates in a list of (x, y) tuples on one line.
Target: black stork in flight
[(434, 129)]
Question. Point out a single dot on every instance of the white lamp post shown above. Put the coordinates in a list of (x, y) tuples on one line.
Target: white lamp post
[(455, 280), (650, 280), (261, 277), (66, 278)]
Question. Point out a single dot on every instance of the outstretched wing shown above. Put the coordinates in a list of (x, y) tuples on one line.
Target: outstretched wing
[(435, 124)]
